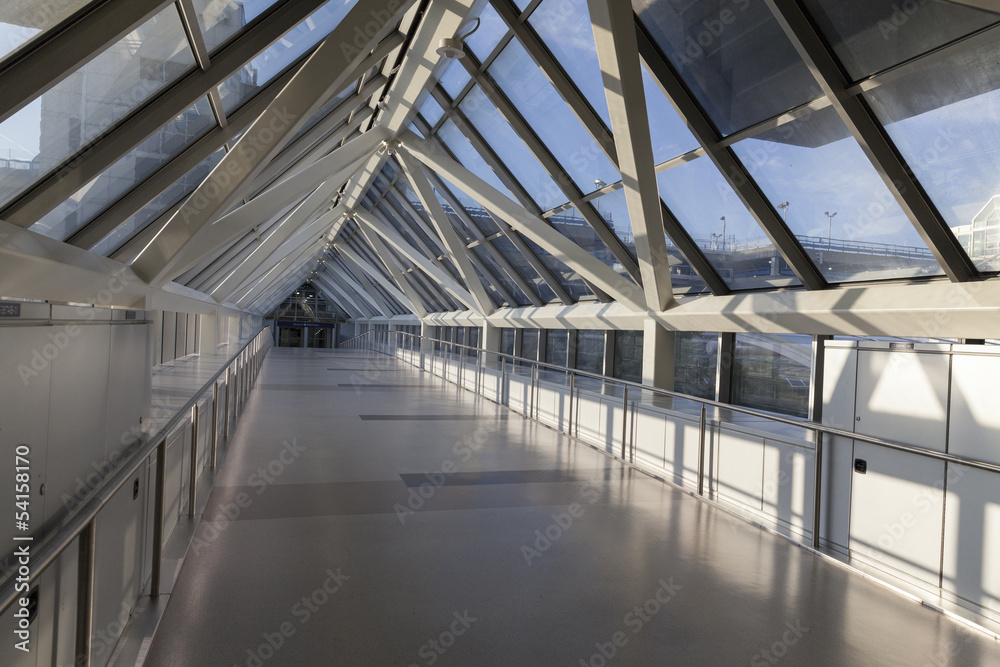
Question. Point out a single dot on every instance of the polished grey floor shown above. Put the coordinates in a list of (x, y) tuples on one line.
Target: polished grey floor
[(414, 524)]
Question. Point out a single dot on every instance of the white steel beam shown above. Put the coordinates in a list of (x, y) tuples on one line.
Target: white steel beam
[(346, 280), (95, 158), (617, 50), (438, 274), (323, 178), (322, 278), (440, 20), (324, 74), (295, 221), (387, 258), (592, 269), (377, 275), (453, 245)]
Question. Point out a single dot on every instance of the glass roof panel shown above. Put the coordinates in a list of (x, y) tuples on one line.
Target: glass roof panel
[(951, 141), (431, 111), (551, 118), (94, 197), (154, 209), (221, 19), (614, 209), (470, 158), (521, 265), (253, 76), (480, 216), (515, 155), (501, 276), (325, 110), (835, 202), (567, 277), (42, 135), (874, 35), (573, 226), (491, 30), (718, 222), (454, 78), (21, 22), (564, 26), (456, 221), (733, 56), (670, 136)]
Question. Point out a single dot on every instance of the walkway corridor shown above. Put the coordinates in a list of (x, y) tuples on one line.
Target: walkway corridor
[(369, 514)]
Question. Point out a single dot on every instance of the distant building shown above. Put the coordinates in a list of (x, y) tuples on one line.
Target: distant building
[(981, 239)]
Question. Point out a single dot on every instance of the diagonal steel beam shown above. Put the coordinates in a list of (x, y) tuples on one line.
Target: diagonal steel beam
[(347, 280), (323, 178), (731, 168), (314, 232), (323, 74), (386, 284), (487, 245), (453, 245), (868, 132), (94, 158), (553, 71), (268, 246), (563, 249), (389, 261), (522, 196), (614, 33), (57, 55), (438, 274), (325, 279), (541, 153), (152, 187)]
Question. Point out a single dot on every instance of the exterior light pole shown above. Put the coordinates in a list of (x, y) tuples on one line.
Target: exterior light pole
[(829, 230)]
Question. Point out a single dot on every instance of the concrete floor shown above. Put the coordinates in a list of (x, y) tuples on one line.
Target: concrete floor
[(332, 538)]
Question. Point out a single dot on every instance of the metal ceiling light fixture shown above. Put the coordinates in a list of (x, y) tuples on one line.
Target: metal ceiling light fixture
[(451, 47)]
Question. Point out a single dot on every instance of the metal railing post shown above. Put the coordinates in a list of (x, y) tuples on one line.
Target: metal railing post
[(624, 420), (85, 593), (502, 389), (479, 373), (229, 379), (531, 394), (161, 482), (215, 422), (193, 472), (701, 452), (818, 490), (569, 425)]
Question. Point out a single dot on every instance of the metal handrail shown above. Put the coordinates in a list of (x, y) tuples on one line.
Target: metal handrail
[(82, 520), (821, 431), (812, 426)]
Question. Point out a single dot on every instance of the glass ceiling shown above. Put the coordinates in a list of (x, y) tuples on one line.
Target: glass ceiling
[(931, 83)]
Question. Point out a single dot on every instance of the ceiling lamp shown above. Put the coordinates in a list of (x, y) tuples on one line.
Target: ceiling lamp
[(451, 47)]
